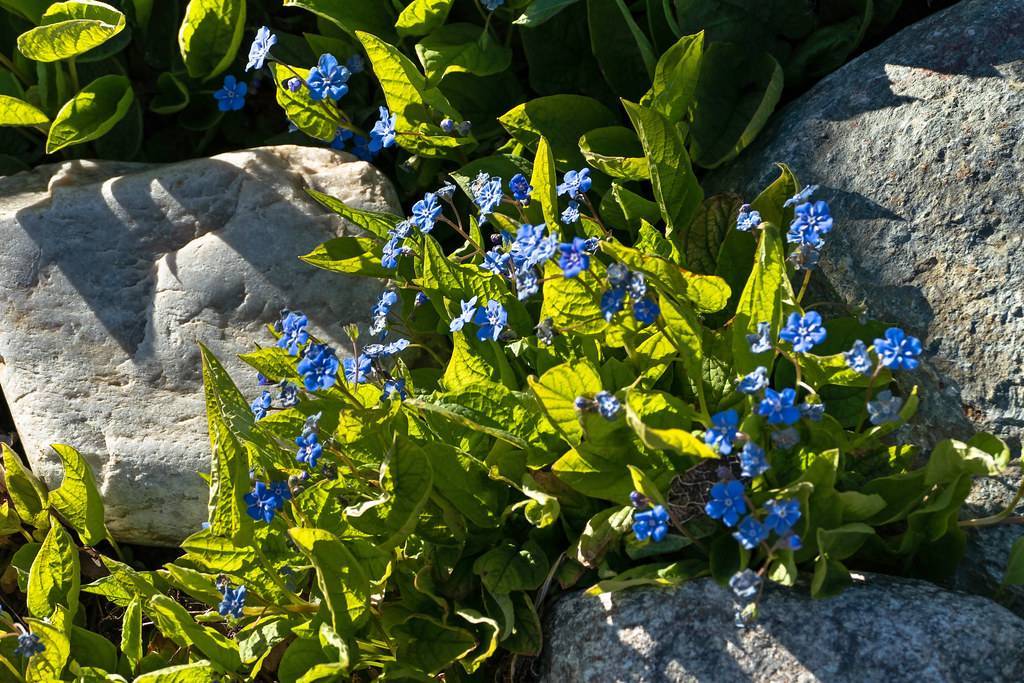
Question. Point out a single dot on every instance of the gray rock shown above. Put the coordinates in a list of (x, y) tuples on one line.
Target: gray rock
[(919, 147), (111, 273), (884, 630)]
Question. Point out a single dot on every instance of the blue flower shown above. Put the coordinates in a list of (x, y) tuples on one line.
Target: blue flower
[(747, 219), (402, 229), (355, 64), (858, 359), (496, 261), (491, 321), (727, 502), (28, 645), (289, 394), (803, 332), (231, 96), (784, 439), (389, 255), (652, 524), (420, 299), (489, 196), (521, 188), (584, 404), (395, 347), (801, 196), (261, 502), (357, 370), (459, 321), (778, 407), (618, 275), (312, 423), (328, 79), (755, 381), (607, 405), (804, 257), (381, 310), (761, 340), (446, 191), (261, 405), (752, 460), (319, 367), (722, 432), (885, 408), (531, 247), (447, 125), (262, 380), (527, 283), (810, 224), (898, 351), (750, 533), (492, 5), (310, 449), (282, 492), (383, 133), (260, 48), (363, 148), (395, 386), (233, 602), (782, 515), (293, 332), (341, 136), (574, 259), (637, 286), (575, 183), (646, 311), (813, 411), (426, 211), (612, 302), (790, 541), (745, 584), (571, 213)]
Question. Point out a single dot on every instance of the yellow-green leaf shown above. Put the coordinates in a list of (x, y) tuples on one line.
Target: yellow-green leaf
[(176, 623), (197, 672), (47, 666), (421, 17), (16, 112), (54, 577), (131, 632), (545, 183), (27, 493), (762, 300), (210, 35), (77, 499), (343, 581), (557, 389), (91, 113), (316, 119), (69, 29)]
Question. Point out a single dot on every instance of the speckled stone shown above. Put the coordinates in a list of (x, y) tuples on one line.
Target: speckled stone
[(919, 148), (883, 629)]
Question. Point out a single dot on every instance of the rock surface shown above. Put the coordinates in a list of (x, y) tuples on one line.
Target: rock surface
[(884, 630), (919, 148), (111, 273)]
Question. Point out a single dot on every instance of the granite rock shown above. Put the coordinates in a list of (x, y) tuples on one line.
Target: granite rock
[(110, 275), (881, 629)]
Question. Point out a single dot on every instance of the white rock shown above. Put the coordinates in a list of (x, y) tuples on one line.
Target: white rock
[(110, 275)]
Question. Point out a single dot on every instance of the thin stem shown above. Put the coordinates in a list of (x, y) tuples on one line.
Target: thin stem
[(458, 229), (1002, 516), (73, 72), (593, 214)]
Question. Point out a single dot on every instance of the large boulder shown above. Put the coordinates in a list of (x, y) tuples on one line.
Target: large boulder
[(882, 629), (110, 276)]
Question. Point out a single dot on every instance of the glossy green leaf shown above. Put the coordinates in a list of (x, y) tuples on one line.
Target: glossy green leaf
[(26, 492), (316, 119), (556, 391), (702, 239), (69, 29), (342, 579), (762, 300), (571, 302), (615, 151), (562, 119), (54, 577), (456, 48), (429, 645), (352, 255), (420, 17), (131, 632), (660, 421), (176, 623), (91, 113), (48, 665), (622, 50), (539, 11), (77, 498), (172, 95), (196, 672), (510, 568), (545, 185), (210, 35), (675, 78), (17, 112), (374, 222), (353, 16)]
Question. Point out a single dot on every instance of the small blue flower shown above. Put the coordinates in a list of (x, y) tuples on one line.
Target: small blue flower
[(426, 211), (803, 332), (496, 261), (618, 275), (231, 96), (357, 371), (531, 247), (804, 257), (355, 64), (646, 311), (28, 645), (584, 404), (489, 196), (262, 380), (727, 502), (612, 302), (521, 188), (607, 405), (575, 183), (752, 460), (784, 439), (395, 347), (391, 252), (289, 394), (491, 321), (420, 299), (260, 48), (651, 524), (447, 125), (801, 196), (381, 310), (261, 405), (747, 219), (319, 367), (755, 381), (574, 259), (858, 359), (761, 342), (233, 602), (383, 133), (790, 541), (446, 191), (261, 502), (282, 492), (782, 515), (810, 224), (745, 584), (328, 79), (897, 350), (637, 286), (310, 449), (340, 138), (293, 332), (402, 229), (527, 283), (722, 432), (778, 407), (571, 213), (492, 5), (885, 408), (750, 533), (395, 386), (813, 411), (312, 424), (459, 321), (363, 148)]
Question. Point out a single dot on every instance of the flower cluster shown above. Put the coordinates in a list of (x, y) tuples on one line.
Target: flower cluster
[(266, 499), (490, 319), (604, 402), (624, 284), (28, 644)]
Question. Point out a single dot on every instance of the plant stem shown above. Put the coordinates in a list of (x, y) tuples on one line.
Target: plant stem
[(73, 72), (803, 287), (1004, 515)]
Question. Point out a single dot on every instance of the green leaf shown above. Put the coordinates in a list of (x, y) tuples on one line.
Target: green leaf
[(526, 638), (635, 208), (27, 493), (429, 645), (176, 623), (598, 472), (1014, 575), (15, 112), (171, 96), (562, 119), (702, 239), (615, 151), (210, 35), (343, 581), (456, 48), (557, 390), (542, 509), (32, 10), (762, 300), (93, 650), (539, 11), (316, 119), (660, 421), (352, 255), (571, 302), (464, 482), (675, 78), (54, 577), (420, 17), (91, 113), (273, 362), (197, 672), (627, 64), (545, 184), (77, 499), (737, 92), (675, 186), (601, 533), (376, 223), (353, 16), (47, 666), (663, 575), (69, 29), (131, 633), (510, 568)]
